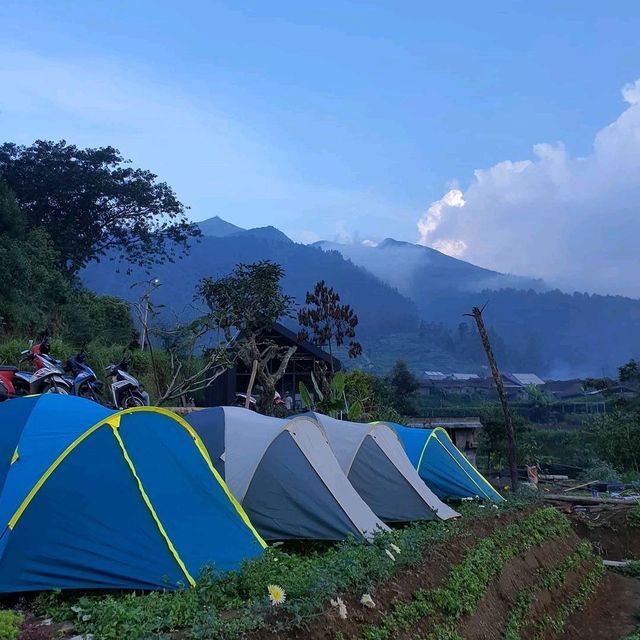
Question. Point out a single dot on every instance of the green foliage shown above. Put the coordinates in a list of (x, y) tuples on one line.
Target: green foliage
[(332, 400), (557, 621), (249, 300), (549, 580), (493, 439), (244, 306), (599, 470), (326, 322), (310, 581), (467, 581), (86, 317), (35, 295), (402, 388), (10, 622), (615, 438), (632, 569), (31, 285), (629, 372), (90, 203), (634, 516)]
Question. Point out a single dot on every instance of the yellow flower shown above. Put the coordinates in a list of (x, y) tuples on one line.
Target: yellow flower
[(367, 601), (277, 594), (396, 548)]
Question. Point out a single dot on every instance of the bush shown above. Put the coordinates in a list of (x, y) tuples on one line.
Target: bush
[(10, 622), (634, 517), (600, 471)]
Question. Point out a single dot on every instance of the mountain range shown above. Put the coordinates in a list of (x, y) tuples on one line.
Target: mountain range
[(411, 302)]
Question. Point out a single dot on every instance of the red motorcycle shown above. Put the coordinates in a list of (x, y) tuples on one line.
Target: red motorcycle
[(14, 382), (48, 376)]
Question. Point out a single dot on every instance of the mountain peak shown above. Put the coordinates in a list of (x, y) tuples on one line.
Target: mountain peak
[(217, 227)]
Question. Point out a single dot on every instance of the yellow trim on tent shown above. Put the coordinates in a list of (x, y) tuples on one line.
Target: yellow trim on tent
[(205, 454), (465, 471), (147, 501), (424, 448), (115, 420), (54, 465), (15, 456)]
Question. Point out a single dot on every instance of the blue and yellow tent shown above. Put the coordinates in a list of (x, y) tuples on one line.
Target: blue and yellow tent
[(96, 499), (443, 467)]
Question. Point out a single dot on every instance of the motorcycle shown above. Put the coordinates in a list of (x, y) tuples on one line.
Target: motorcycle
[(84, 382), (48, 376), (13, 382), (241, 398), (125, 389)]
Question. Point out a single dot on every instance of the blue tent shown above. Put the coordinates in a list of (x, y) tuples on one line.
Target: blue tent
[(96, 499), (445, 470)]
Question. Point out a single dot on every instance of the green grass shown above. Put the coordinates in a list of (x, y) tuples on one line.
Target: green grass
[(310, 580)]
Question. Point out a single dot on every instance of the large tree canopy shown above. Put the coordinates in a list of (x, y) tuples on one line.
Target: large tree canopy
[(245, 305), (91, 202)]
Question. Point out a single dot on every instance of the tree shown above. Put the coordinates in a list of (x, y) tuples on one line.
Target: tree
[(192, 368), (92, 203), (616, 439), (247, 303), (31, 288), (326, 322), (403, 386), (629, 372), (493, 437)]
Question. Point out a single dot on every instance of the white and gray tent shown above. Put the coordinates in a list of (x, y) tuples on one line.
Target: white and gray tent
[(375, 462), (284, 474)]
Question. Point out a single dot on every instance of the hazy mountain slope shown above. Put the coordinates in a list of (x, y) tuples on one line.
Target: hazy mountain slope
[(548, 332), (412, 268), (379, 307)]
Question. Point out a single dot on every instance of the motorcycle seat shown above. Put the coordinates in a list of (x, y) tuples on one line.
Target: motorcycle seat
[(8, 367)]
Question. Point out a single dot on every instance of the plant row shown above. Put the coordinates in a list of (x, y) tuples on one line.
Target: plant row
[(468, 581)]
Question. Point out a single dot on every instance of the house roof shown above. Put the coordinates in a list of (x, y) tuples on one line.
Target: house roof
[(311, 348), (525, 378)]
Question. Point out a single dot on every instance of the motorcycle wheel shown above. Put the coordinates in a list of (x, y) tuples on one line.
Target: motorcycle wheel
[(132, 400), (90, 394)]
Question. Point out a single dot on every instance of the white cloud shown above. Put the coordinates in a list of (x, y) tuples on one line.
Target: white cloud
[(574, 221), (430, 221), (631, 92), (369, 243)]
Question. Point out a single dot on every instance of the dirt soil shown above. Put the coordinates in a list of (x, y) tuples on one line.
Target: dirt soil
[(609, 531), (490, 618), (430, 574), (609, 614)]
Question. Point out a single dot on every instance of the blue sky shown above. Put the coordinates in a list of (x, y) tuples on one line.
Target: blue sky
[(333, 119)]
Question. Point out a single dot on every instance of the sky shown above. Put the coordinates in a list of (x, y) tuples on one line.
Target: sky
[(499, 132)]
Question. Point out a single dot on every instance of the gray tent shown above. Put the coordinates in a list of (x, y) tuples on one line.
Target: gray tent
[(374, 460), (284, 474)]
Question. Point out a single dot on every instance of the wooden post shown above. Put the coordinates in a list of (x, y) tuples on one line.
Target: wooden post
[(252, 379), (476, 314)]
